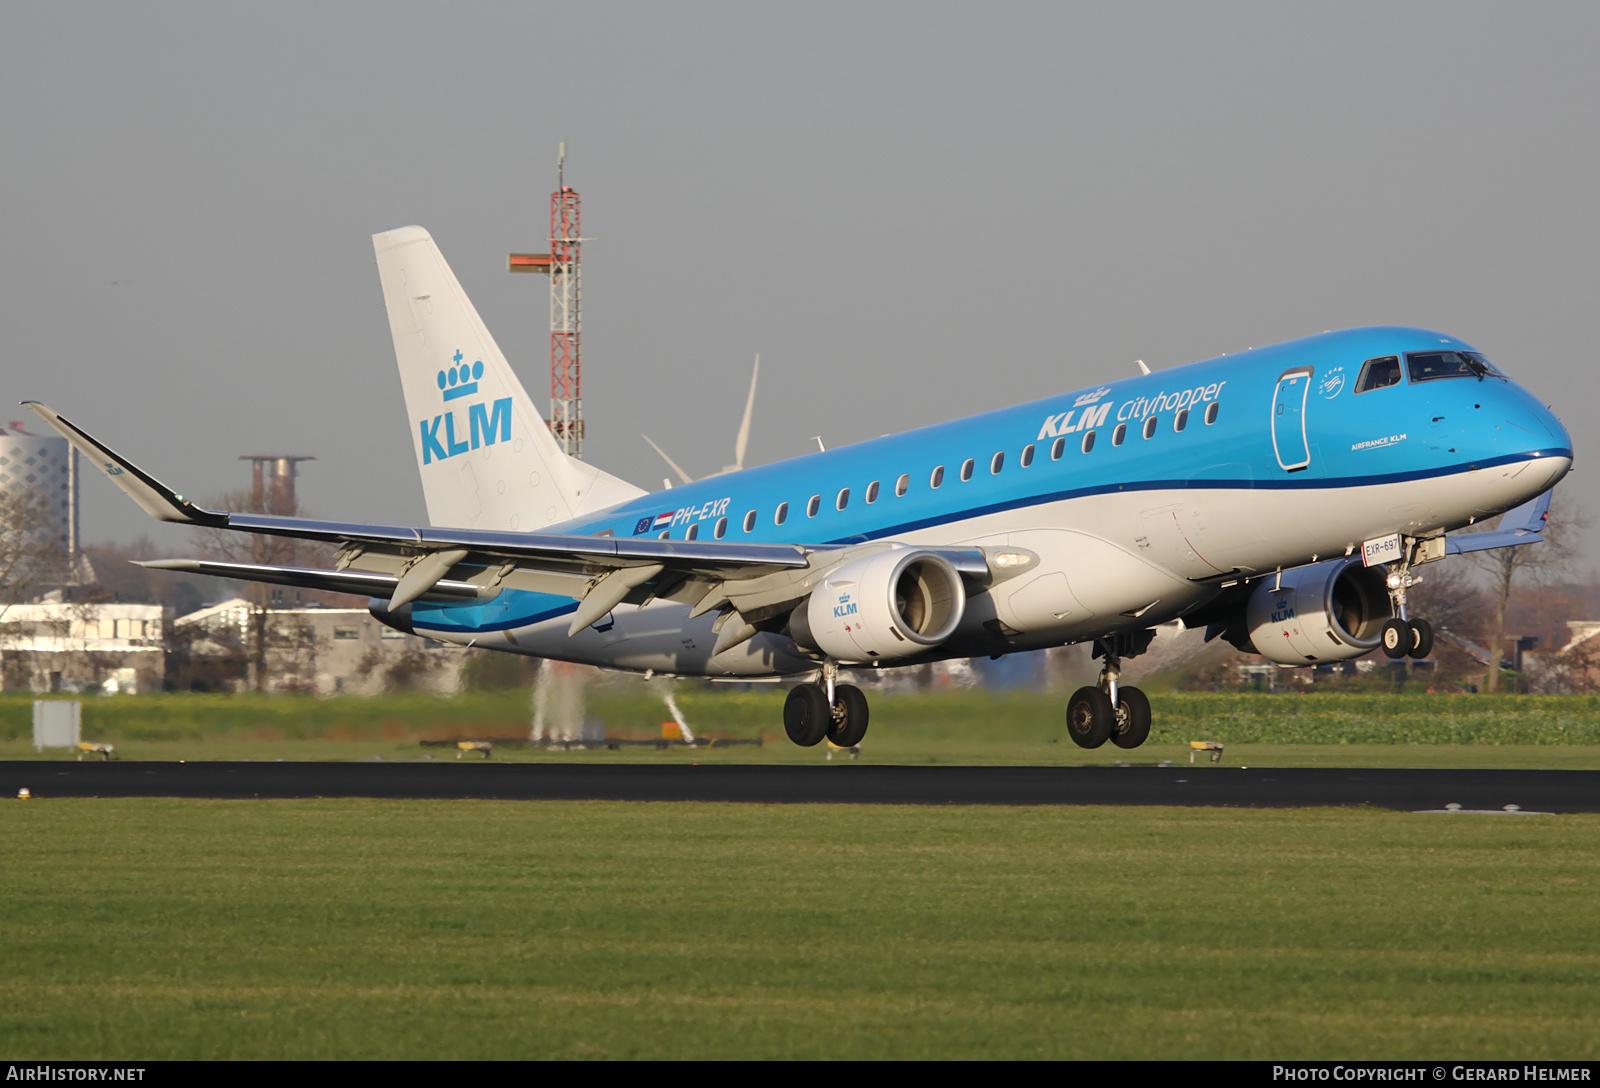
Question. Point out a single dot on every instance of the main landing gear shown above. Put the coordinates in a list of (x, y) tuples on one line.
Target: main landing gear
[(1112, 711), (830, 709)]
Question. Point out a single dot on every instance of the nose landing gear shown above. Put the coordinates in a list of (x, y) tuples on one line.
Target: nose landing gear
[(1403, 636), (1407, 638)]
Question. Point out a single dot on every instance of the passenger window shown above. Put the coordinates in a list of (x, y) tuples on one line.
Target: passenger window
[(1027, 456), (749, 520), (1376, 374), (694, 531), (1088, 441), (843, 499), (722, 528), (872, 492), (902, 485), (1056, 447), (937, 478), (1181, 420), (966, 470), (996, 463), (782, 514), (813, 506), (1150, 427), (1119, 434), (664, 534), (1211, 413)]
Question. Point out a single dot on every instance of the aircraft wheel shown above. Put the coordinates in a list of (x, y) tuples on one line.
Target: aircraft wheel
[(1421, 639), (1090, 717), (848, 724), (806, 715), (1397, 638), (1133, 718)]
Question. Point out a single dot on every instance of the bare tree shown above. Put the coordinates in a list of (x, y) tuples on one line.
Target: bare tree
[(31, 553), (236, 547), (1578, 670), (277, 551), (1540, 564), (1450, 596)]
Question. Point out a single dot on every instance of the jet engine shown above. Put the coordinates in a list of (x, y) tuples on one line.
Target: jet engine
[(1331, 611), (881, 607)]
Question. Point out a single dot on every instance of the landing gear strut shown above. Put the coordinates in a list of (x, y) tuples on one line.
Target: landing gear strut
[(1111, 711), (830, 709), (1403, 636)]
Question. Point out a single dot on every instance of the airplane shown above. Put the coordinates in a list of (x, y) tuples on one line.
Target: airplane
[(1279, 497)]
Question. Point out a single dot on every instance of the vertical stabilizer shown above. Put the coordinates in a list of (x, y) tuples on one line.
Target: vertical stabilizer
[(487, 459)]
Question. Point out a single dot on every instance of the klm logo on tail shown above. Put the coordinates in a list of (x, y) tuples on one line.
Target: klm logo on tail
[(486, 425)]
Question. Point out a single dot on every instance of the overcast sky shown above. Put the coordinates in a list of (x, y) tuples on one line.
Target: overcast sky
[(912, 211)]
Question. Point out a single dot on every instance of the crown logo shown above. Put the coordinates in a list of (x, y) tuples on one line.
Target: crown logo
[(460, 379)]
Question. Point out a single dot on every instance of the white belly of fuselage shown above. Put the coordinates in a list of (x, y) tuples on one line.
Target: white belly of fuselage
[(1114, 561)]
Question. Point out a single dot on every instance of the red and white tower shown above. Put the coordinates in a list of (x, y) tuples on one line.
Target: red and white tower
[(562, 265)]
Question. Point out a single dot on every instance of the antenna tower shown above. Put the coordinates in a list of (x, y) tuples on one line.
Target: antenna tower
[(562, 265), (566, 327)]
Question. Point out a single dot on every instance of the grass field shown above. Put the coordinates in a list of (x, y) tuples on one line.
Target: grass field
[(148, 929), (887, 748), (964, 727)]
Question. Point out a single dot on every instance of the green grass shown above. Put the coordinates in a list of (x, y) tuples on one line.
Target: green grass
[(885, 749), (948, 727), (150, 929)]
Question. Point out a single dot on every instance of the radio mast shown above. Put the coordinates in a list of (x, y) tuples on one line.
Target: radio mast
[(562, 264)]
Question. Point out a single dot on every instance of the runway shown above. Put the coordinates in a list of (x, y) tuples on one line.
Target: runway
[(1413, 790)]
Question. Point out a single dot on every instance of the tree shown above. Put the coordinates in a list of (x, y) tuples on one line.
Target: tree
[(278, 551), (118, 574), (31, 553), (1541, 564)]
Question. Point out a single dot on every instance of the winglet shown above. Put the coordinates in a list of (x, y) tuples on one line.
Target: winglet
[(154, 497)]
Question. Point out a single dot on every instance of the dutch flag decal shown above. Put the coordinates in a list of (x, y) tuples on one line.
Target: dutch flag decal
[(660, 521)]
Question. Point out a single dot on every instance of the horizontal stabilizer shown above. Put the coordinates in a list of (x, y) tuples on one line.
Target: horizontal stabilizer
[(335, 581), (1521, 525)]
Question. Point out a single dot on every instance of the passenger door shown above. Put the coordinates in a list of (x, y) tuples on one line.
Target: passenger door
[(1289, 419)]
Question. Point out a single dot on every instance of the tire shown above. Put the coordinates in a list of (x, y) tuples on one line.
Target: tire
[(1421, 639), (806, 715), (847, 733), (1090, 717), (1132, 718), (1396, 638)]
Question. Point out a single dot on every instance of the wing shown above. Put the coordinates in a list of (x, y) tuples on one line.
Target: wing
[(760, 582)]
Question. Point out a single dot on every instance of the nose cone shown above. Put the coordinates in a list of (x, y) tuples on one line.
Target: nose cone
[(1518, 440), (1555, 429), (1529, 428)]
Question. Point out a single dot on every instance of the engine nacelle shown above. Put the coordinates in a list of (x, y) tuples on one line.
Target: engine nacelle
[(1330, 611), (882, 607)]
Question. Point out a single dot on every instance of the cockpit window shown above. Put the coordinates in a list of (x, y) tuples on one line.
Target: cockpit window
[(1427, 366), (1379, 373)]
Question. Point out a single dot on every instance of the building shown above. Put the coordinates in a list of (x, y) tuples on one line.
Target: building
[(325, 651), (1574, 668), (53, 645), (39, 485)]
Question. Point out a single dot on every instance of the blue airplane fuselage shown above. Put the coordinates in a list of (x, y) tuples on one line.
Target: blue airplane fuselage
[(1222, 469)]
